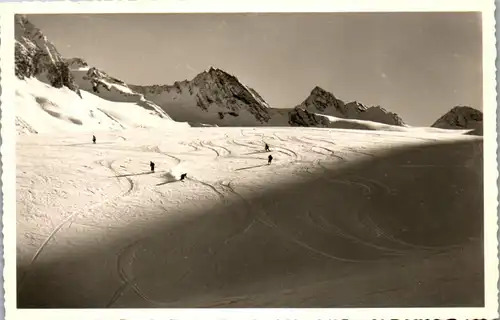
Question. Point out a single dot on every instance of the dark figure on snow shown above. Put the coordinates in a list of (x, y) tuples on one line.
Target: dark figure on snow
[(269, 159), (266, 147), (152, 165), (93, 139), (183, 176)]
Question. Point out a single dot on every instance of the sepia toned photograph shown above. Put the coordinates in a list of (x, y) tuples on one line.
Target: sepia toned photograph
[(250, 160)]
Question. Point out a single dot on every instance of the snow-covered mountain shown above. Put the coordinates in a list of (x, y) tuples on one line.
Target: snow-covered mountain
[(325, 103), (218, 98), (462, 117), (212, 97), (59, 94)]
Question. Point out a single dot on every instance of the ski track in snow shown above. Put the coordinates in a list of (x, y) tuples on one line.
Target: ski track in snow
[(72, 217), (302, 153)]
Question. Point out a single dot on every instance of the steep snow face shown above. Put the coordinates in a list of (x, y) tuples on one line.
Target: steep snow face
[(323, 102), (462, 117), (36, 56), (212, 97), (41, 108)]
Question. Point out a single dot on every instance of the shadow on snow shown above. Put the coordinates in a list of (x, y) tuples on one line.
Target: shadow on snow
[(367, 234)]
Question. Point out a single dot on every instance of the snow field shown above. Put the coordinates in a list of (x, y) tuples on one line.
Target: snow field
[(105, 232)]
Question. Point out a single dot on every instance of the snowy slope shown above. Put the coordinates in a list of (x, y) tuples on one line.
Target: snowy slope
[(341, 218), (460, 118), (41, 108)]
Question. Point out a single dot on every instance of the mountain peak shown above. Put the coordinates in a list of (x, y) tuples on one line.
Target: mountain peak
[(467, 109), (22, 20), (317, 90), (461, 117)]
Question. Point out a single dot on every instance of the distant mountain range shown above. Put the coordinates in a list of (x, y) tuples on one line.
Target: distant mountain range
[(212, 98)]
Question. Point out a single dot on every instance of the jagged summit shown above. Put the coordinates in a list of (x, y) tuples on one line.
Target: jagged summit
[(317, 90), (212, 97), (360, 106)]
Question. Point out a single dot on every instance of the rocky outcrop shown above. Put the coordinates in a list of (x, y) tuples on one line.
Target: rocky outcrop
[(212, 97)]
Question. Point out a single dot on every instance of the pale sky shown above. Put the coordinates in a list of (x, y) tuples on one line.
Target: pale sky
[(419, 65)]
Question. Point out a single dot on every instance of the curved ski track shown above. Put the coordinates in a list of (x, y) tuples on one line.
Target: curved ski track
[(366, 220)]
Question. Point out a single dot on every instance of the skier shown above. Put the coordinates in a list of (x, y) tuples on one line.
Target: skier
[(93, 139), (152, 165), (269, 159), (266, 147), (183, 176)]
